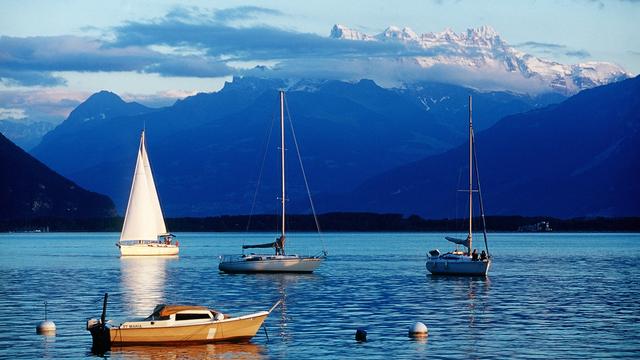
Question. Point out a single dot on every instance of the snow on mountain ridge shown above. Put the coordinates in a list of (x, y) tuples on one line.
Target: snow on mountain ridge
[(342, 32), (482, 49)]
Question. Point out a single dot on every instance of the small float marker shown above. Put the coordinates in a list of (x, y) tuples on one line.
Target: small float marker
[(418, 330), (46, 327)]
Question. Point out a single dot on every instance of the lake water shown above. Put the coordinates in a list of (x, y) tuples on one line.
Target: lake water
[(547, 296)]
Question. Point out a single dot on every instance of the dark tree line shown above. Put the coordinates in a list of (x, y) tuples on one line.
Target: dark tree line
[(338, 221)]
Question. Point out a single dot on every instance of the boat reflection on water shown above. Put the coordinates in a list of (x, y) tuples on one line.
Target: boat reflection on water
[(477, 293), (217, 351), (282, 282), (144, 281), (470, 293)]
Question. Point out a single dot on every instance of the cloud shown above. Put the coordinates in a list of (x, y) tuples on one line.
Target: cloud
[(31, 61), (29, 78), (193, 42), (554, 49), (244, 13), (50, 105), (390, 72), (581, 54), (12, 114), (214, 35), (540, 45)]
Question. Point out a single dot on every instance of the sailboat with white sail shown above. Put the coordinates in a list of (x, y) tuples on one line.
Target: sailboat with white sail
[(144, 232), (280, 262), (466, 262)]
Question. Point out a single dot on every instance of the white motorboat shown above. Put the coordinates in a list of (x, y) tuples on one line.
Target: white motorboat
[(175, 325), (464, 262), (144, 232), (280, 262)]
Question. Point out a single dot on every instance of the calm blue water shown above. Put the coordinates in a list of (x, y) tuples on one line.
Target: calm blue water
[(547, 296)]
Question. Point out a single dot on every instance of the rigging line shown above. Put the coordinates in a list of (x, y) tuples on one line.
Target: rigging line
[(457, 222), (304, 176), (264, 158), (484, 223)]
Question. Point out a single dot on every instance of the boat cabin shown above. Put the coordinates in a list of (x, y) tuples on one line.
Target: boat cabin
[(184, 312)]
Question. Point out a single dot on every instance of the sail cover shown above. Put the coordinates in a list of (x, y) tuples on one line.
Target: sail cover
[(143, 220), (464, 242), (260, 246)]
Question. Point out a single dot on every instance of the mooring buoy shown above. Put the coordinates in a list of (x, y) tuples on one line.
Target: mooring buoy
[(46, 327), (361, 335), (418, 330)]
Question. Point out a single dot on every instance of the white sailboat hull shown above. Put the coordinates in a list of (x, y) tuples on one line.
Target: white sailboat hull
[(269, 264), (148, 249), (463, 265)]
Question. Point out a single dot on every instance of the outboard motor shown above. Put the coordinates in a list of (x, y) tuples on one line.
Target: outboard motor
[(434, 253), (100, 332)]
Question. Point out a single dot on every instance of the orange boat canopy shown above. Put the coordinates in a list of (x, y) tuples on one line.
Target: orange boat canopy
[(166, 310)]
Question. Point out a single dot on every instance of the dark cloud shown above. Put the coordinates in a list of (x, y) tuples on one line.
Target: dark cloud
[(540, 45), (581, 54), (200, 15), (32, 60), (29, 78), (190, 66), (244, 13), (253, 43), (69, 53), (554, 49)]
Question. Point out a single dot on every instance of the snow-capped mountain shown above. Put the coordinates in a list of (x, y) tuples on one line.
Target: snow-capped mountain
[(483, 50)]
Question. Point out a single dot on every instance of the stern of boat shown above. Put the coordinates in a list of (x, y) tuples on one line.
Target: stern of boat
[(100, 336)]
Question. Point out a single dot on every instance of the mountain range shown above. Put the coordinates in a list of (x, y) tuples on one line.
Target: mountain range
[(576, 158), (365, 148), (482, 53), (201, 146), (25, 135), (28, 189)]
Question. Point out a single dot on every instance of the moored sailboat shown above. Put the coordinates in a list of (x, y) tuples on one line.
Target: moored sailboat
[(280, 262), (144, 232), (459, 262)]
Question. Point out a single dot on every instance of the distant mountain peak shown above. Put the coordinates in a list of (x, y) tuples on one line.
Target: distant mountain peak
[(343, 32), (103, 105), (395, 33), (104, 96), (482, 50), (484, 31)]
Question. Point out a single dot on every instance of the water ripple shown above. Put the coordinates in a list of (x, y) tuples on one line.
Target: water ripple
[(548, 296)]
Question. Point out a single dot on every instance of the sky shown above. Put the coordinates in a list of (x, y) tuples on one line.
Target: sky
[(54, 54)]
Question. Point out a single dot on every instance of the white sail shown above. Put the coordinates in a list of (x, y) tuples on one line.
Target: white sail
[(140, 219), (153, 194)]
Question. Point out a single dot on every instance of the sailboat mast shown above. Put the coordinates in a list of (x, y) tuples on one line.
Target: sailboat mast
[(470, 236), (282, 161)]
